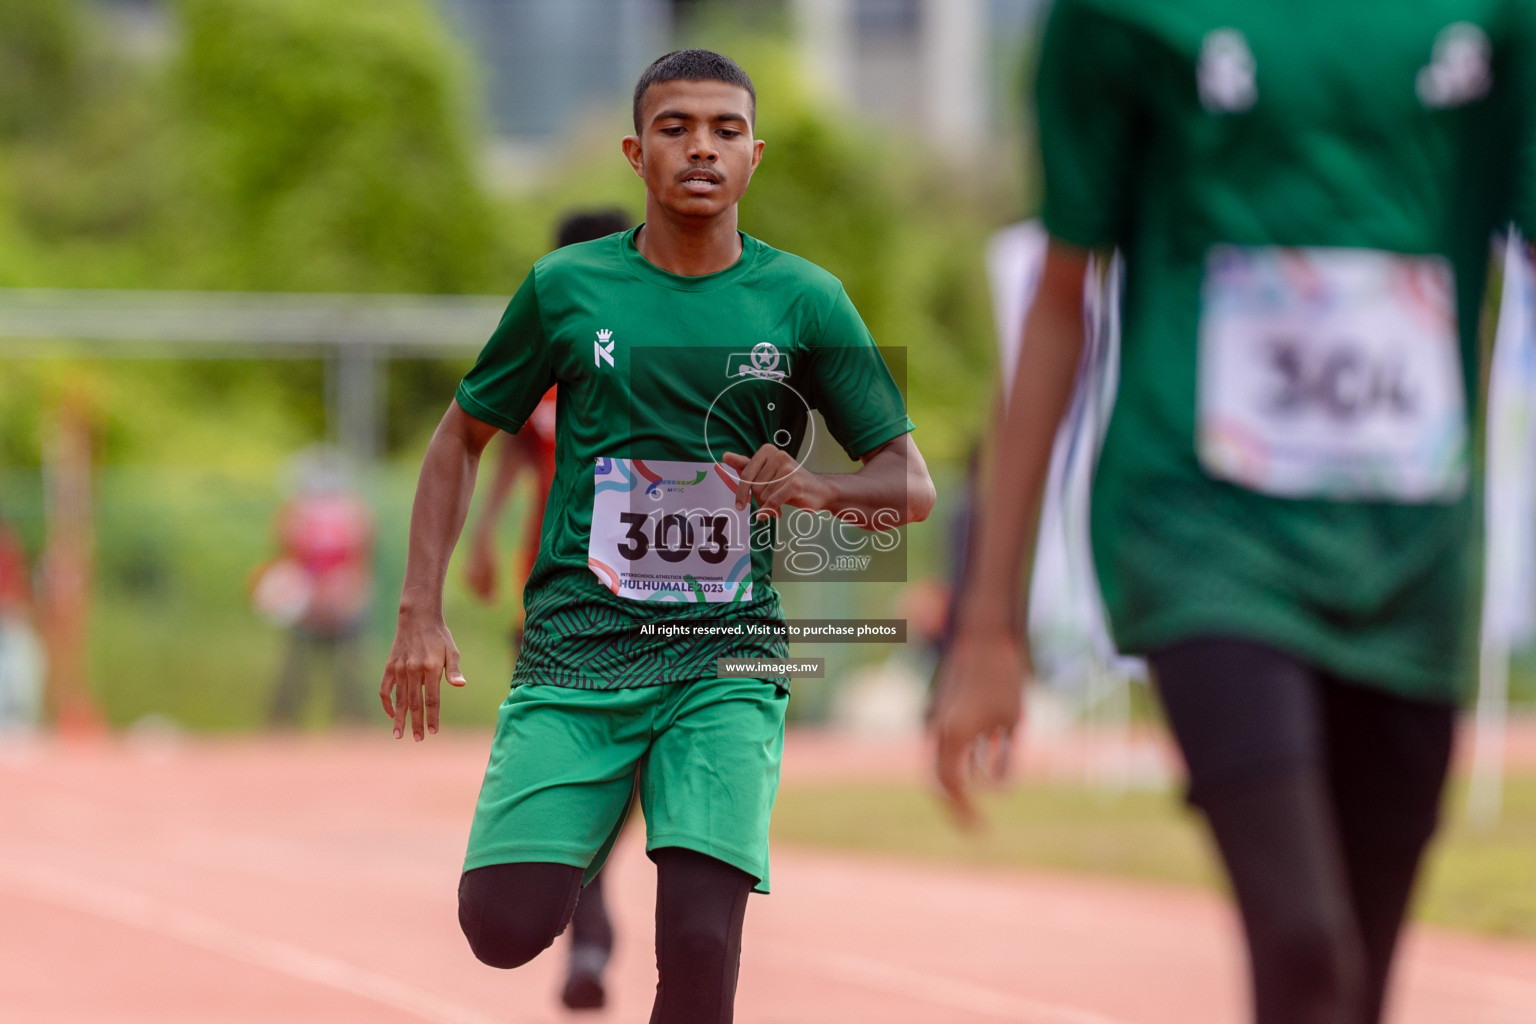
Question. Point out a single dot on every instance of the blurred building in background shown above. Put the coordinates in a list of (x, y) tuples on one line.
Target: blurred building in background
[(143, 29), (947, 69), (546, 62), (944, 67)]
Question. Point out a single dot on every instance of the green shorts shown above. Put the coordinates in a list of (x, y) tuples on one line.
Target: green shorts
[(564, 765)]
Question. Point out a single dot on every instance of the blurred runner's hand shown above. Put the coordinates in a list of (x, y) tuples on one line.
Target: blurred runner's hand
[(977, 709), (423, 652)]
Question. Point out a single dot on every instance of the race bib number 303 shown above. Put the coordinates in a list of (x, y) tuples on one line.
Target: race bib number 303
[(669, 531), (1332, 373)]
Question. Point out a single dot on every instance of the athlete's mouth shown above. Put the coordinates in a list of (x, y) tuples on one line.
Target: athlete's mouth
[(700, 179)]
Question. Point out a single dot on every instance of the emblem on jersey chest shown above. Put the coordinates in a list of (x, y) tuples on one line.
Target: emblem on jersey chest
[(602, 348), (1227, 74), (1460, 68), (765, 362)]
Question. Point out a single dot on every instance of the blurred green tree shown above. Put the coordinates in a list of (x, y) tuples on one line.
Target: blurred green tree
[(281, 145), (40, 50), (328, 148), (291, 145)]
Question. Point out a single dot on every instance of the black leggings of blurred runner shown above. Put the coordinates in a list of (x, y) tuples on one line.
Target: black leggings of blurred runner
[(1321, 794), (591, 946), (511, 913)]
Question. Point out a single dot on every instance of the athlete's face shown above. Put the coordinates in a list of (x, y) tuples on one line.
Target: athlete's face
[(695, 150)]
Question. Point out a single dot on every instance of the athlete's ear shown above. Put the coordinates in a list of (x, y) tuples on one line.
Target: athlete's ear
[(757, 152), (636, 155)]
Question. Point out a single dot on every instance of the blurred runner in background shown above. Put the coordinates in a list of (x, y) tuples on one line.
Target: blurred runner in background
[(531, 452), (319, 588), (1283, 514)]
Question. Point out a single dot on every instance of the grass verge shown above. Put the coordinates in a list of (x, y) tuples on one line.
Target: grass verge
[(1483, 881)]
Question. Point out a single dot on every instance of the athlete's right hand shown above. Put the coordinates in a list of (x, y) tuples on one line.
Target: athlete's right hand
[(423, 652), (977, 708)]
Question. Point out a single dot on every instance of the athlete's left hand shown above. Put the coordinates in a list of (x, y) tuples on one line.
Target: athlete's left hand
[(774, 478)]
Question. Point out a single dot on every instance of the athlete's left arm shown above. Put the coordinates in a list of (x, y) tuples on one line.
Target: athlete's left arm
[(890, 489)]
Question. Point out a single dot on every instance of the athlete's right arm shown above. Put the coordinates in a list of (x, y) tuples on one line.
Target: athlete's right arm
[(424, 651), (979, 700)]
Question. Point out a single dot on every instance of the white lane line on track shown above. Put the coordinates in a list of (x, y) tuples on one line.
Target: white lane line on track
[(937, 990), (138, 910)]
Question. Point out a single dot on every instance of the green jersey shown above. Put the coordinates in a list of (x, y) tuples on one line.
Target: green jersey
[(659, 376), (1304, 195)]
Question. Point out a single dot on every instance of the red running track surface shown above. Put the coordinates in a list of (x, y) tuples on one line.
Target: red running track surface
[(303, 880)]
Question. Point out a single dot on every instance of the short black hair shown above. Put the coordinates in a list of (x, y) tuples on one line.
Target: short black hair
[(694, 66), (586, 225)]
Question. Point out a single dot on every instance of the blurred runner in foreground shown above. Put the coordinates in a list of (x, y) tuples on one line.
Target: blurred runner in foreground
[(1284, 514), (688, 357), (531, 452)]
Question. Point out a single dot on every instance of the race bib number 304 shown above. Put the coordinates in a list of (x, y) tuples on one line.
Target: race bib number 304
[(669, 531), (1332, 373)]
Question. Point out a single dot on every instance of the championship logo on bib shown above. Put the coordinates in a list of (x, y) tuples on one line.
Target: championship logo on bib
[(1332, 373), (669, 531)]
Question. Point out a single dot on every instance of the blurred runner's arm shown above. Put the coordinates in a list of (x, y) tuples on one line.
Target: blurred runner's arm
[(424, 651), (891, 488), (979, 699), (512, 458)]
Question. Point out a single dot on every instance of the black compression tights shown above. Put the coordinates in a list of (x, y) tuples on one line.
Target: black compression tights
[(512, 912), (1321, 796)]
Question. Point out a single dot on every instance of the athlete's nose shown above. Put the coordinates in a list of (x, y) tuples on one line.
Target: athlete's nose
[(703, 148)]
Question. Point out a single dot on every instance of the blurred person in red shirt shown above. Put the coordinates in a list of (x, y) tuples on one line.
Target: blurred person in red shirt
[(320, 589)]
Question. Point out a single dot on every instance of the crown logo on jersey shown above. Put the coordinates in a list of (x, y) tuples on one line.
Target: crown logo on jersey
[(1227, 73), (602, 348)]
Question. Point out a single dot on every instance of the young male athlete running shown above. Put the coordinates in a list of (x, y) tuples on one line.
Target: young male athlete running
[(531, 452), (1285, 503), (677, 346)]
